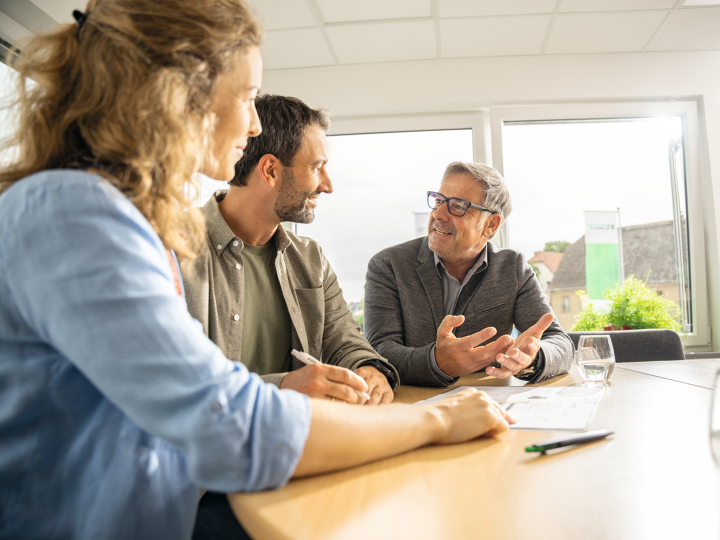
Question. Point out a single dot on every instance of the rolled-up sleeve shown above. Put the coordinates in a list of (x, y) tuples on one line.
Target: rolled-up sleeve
[(93, 280)]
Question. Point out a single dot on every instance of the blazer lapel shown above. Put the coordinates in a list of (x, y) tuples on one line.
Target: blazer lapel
[(468, 292), (430, 280)]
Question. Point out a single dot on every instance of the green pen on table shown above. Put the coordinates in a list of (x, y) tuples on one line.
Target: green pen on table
[(590, 436)]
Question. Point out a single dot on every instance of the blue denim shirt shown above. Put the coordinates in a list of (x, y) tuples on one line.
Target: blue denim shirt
[(114, 406)]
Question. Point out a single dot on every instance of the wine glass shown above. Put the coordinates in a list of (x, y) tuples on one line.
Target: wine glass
[(595, 358)]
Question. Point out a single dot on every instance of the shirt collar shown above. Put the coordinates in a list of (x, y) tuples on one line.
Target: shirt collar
[(221, 234), (480, 264)]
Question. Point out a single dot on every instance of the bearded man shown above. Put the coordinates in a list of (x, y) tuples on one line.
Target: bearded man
[(259, 290)]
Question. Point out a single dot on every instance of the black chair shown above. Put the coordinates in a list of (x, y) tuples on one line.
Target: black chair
[(640, 345)]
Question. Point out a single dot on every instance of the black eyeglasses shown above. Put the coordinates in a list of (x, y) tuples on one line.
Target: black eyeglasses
[(457, 207)]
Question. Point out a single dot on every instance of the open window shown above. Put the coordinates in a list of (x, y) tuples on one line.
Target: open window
[(637, 161)]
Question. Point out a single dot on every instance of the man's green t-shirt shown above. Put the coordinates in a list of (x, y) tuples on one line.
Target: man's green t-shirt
[(266, 332)]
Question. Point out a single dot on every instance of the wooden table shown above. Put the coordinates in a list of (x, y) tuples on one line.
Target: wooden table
[(697, 372), (654, 479)]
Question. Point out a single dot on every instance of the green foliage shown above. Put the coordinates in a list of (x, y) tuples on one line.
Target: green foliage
[(638, 307), (558, 246), (535, 269), (632, 304), (590, 318), (361, 312)]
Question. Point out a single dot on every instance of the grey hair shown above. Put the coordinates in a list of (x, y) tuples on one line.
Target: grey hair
[(496, 194)]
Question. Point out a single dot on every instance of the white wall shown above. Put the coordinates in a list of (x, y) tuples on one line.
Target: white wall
[(459, 85)]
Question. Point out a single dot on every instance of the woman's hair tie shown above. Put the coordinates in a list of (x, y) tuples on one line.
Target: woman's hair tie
[(80, 17)]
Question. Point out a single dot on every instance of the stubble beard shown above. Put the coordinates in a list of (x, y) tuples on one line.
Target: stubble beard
[(291, 204), (448, 253)]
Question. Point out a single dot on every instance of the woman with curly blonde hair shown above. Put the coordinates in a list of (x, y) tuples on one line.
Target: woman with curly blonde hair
[(115, 408)]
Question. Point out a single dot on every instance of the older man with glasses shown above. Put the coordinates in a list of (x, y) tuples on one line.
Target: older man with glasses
[(443, 306)]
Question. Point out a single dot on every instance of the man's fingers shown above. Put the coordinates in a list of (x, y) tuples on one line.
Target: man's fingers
[(387, 397), (345, 376), (343, 392), (530, 347), (513, 364), (499, 373), (539, 327), (375, 398), (469, 342), (491, 350), (448, 323)]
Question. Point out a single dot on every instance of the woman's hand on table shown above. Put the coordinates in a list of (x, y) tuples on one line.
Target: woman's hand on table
[(470, 414)]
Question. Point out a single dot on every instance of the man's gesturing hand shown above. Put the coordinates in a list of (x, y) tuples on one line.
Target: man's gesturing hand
[(524, 352), (378, 387), (460, 356), (326, 381)]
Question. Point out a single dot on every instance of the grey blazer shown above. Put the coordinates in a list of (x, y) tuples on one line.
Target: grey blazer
[(404, 308)]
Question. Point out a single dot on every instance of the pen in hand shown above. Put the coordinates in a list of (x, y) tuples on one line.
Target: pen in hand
[(305, 358)]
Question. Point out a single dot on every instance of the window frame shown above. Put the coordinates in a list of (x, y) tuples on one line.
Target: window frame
[(700, 339), (477, 121)]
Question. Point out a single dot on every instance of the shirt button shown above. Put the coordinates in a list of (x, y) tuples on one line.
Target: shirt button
[(219, 246), (238, 266), (218, 405), (236, 243), (236, 317)]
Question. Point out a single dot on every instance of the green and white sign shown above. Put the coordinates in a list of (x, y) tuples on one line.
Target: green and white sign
[(602, 264)]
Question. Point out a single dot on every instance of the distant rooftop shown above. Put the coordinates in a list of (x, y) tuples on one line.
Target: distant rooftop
[(648, 250), (550, 259)]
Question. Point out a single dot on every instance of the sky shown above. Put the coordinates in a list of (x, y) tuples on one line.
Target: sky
[(557, 171)]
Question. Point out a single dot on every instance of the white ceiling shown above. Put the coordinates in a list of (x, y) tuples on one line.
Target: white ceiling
[(308, 33)]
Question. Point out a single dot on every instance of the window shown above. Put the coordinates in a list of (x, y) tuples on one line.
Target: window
[(566, 304), (379, 182), (8, 80), (636, 163)]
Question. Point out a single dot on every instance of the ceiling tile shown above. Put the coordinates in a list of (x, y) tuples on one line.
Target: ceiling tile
[(59, 10), (689, 29), (304, 47), (383, 42), (480, 8), (615, 5), (501, 36), (279, 14), (603, 32), (334, 11)]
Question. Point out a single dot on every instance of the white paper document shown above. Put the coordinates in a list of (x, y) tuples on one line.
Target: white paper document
[(545, 407)]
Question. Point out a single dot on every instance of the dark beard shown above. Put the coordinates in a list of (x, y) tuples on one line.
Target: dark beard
[(291, 204)]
